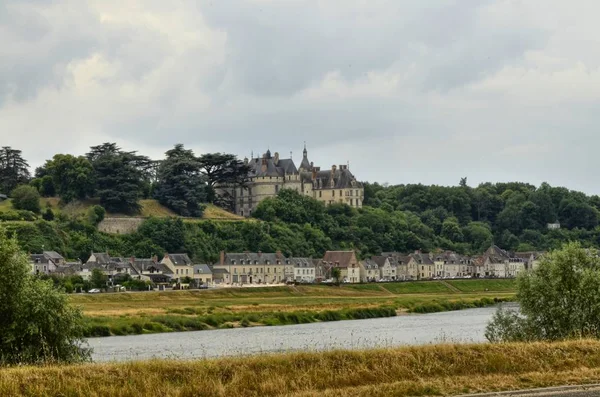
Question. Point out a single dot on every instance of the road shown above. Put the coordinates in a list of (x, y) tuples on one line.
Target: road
[(562, 391)]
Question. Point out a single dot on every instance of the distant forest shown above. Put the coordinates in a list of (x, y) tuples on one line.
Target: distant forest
[(394, 218)]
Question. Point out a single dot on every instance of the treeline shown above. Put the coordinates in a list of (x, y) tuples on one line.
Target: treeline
[(300, 226), (181, 181)]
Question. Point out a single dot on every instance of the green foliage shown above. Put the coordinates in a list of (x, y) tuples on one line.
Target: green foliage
[(26, 198), (120, 177), (95, 214), (558, 300), (222, 169), (98, 279), (71, 177), (37, 324), (180, 185), (48, 215), (14, 170)]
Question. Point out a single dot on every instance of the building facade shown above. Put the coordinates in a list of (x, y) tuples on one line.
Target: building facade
[(270, 174)]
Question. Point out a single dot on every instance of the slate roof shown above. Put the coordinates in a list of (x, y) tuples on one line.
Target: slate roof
[(102, 257), (38, 258), (219, 271), (142, 265), (180, 259), (302, 262), (53, 255), (251, 258), (380, 260), (422, 259), (281, 168), (339, 258), (202, 269), (370, 264), (342, 179)]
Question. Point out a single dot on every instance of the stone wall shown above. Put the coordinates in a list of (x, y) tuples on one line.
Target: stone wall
[(120, 225)]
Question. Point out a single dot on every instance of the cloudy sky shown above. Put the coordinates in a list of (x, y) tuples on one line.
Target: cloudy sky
[(407, 91)]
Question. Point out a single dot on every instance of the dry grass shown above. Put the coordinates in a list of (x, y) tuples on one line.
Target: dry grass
[(414, 371), (216, 213), (155, 209)]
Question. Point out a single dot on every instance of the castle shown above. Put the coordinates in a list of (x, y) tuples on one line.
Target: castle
[(269, 174)]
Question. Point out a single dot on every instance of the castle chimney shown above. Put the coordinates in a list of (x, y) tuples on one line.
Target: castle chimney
[(222, 258)]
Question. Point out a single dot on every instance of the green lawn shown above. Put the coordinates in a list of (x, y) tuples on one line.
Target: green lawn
[(417, 287), (501, 285)]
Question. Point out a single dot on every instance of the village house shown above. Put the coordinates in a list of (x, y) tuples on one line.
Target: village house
[(304, 270), (253, 268), (203, 275), (115, 268), (150, 269), (501, 263), (220, 276), (180, 265), (369, 271), (422, 264), (346, 261)]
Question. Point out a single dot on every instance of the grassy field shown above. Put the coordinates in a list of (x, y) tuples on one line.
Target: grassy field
[(411, 371), (149, 208), (149, 312)]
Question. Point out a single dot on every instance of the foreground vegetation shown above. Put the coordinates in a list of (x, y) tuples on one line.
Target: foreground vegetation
[(151, 312), (412, 371)]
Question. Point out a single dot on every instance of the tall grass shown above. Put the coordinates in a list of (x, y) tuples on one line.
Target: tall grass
[(107, 326), (414, 371), (445, 306)]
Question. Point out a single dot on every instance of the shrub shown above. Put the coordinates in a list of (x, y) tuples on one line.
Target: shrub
[(26, 197), (558, 300), (38, 324)]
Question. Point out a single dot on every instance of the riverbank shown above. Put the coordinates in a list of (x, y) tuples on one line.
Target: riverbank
[(156, 312), (414, 371)]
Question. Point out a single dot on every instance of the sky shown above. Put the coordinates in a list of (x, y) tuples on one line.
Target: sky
[(406, 91)]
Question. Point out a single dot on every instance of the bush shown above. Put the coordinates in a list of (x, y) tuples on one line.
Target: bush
[(37, 323), (48, 215), (558, 300), (26, 197)]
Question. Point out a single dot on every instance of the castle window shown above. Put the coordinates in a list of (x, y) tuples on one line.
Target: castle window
[(333, 193), (276, 188), (341, 194), (351, 201), (320, 195)]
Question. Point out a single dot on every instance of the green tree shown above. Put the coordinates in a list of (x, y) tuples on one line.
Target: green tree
[(14, 169), (96, 214), (451, 230), (48, 215), (98, 279), (180, 185), (558, 300), (120, 177), (71, 176), (336, 274), (37, 324), (27, 198), (221, 169)]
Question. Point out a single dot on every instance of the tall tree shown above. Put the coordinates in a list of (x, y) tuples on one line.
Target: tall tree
[(120, 177), (180, 185), (72, 176), (225, 170), (14, 169)]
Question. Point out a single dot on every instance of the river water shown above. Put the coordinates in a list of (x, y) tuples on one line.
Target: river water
[(458, 326)]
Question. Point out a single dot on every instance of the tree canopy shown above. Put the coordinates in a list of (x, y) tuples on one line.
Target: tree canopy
[(14, 169), (558, 300), (180, 185), (37, 324)]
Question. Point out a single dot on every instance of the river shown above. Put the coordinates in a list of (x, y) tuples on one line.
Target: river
[(458, 326)]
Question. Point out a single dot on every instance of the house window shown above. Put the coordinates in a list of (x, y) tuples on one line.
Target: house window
[(333, 193), (320, 193), (351, 201), (276, 188), (341, 193)]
